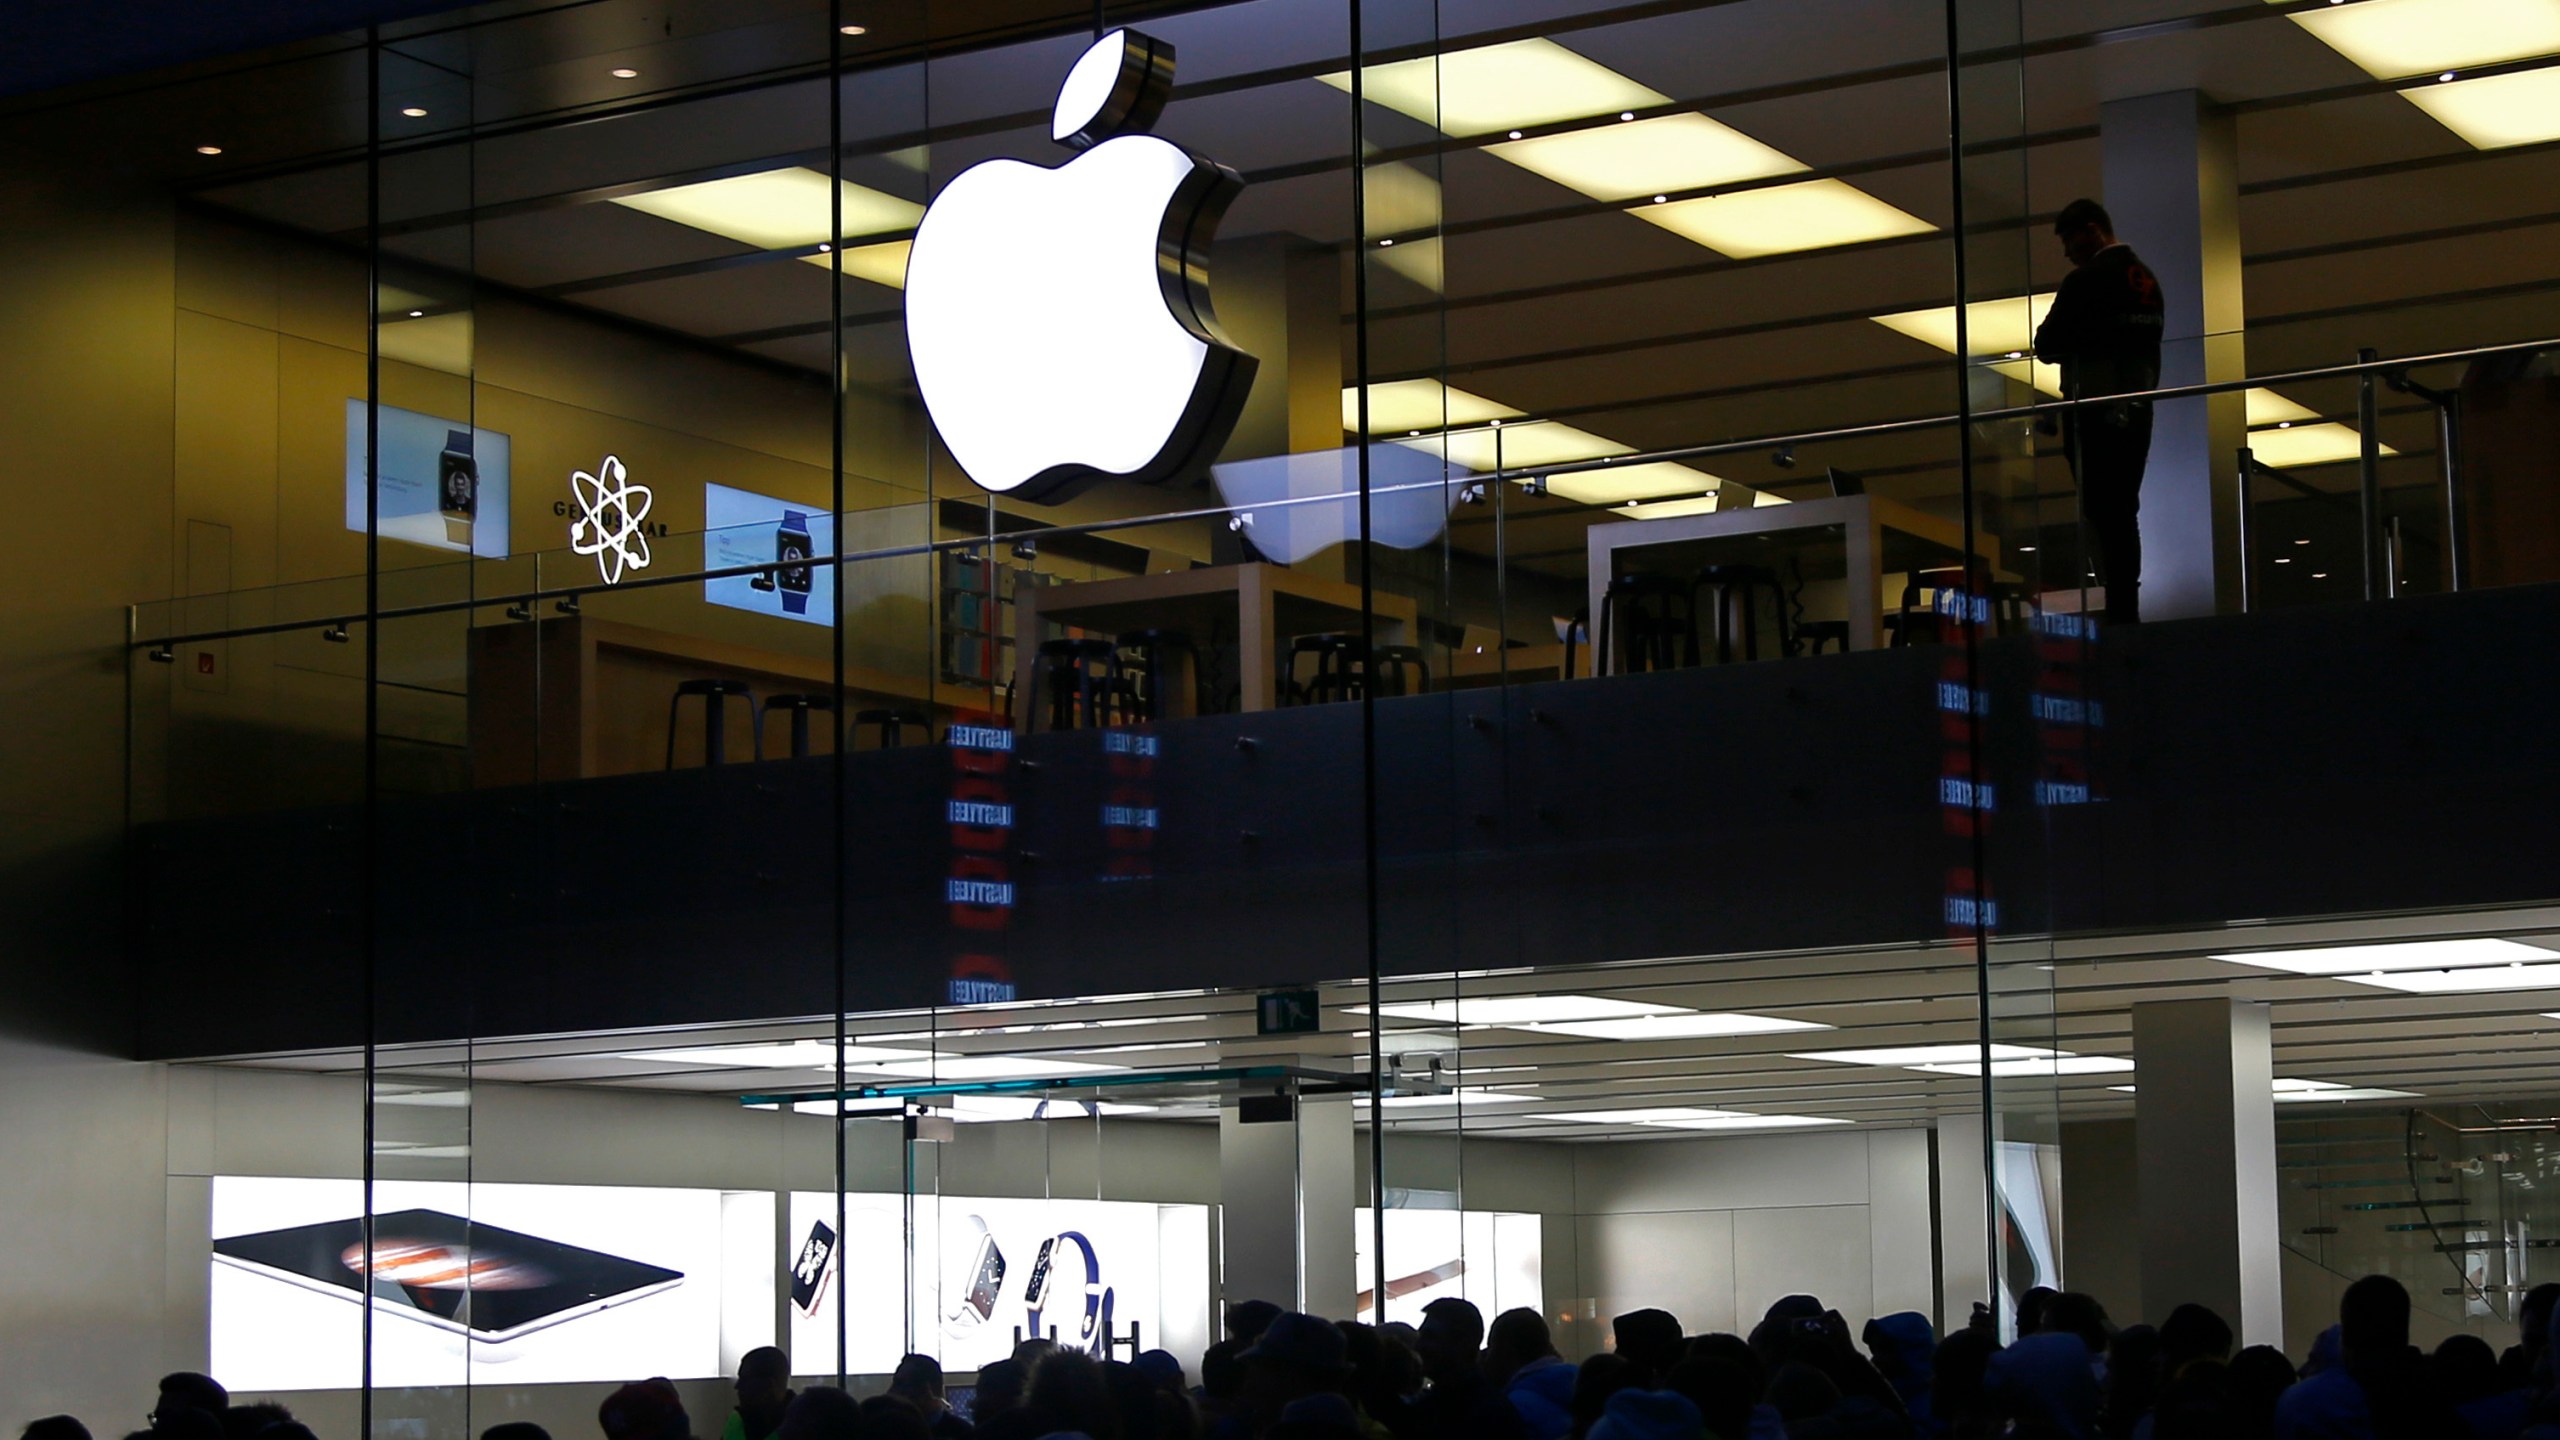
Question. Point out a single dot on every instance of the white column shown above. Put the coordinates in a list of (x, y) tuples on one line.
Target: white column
[(1286, 1221), (1964, 1220), (2205, 1154), (2172, 185)]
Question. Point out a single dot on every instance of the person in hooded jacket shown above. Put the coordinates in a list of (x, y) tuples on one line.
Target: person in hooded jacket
[(1520, 1354), (1903, 1345)]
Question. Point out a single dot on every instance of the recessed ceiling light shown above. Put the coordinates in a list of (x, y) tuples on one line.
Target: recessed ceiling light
[(626, 73), (2026, 549), (881, 264), (415, 112), (853, 29), (1626, 114), (1782, 219), (2319, 574), (1694, 1026), (1417, 405), (417, 314), (1487, 88), (1686, 1117), (1669, 152), (1523, 1009), (2301, 542), (1515, 135), (208, 149), (2284, 559), (2493, 111), (2391, 39), (775, 209)]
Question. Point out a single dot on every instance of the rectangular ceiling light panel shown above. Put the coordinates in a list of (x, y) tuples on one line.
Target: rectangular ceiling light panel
[(1490, 88), (796, 1055), (1522, 1009), (1691, 1026), (1418, 405), (1648, 157), (1685, 1117), (1915, 1055), (881, 264), (1994, 329), (1524, 446), (2042, 1067), (2290, 446), (2401, 955), (1621, 483), (2496, 111), (1781, 219), (2393, 39), (775, 209), (2266, 407)]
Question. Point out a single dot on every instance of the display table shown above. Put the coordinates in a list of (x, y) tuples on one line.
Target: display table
[(600, 689), (1258, 603), (1877, 536)]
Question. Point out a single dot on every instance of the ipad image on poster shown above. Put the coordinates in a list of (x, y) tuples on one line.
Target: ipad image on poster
[(491, 1284), (544, 1283)]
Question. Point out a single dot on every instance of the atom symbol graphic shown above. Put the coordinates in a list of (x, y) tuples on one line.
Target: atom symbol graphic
[(609, 514)]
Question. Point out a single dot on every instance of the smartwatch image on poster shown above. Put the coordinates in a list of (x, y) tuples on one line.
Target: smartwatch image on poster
[(814, 1267), (458, 486), (1093, 1332), (981, 1282), (791, 549)]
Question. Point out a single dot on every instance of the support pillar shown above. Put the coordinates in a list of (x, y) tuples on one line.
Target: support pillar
[(1964, 1220), (1285, 1183), (2205, 1159), (2172, 184)]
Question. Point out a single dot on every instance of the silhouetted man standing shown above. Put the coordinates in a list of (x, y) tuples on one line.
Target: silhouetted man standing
[(2104, 331)]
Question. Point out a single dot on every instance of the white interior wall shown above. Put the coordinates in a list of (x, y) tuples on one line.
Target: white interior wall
[(1712, 1229)]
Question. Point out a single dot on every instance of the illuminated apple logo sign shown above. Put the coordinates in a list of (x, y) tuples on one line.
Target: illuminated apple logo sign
[(1059, 318)]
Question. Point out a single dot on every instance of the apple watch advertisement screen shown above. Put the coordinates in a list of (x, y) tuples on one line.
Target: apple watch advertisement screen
[(443, 482), (745, 528), (984, 1268), (1059, 318), (1496, 1259)]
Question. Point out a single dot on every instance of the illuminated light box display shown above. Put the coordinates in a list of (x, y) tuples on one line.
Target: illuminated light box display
[(1494, 1258), (1059, 318), (741, 527), (984, 1268), (513, 1284), (444, 482)]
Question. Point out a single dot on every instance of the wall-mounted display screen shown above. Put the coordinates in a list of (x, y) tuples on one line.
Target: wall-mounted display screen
[(744, 528), (1493, 1258), (530, 1283), (990, 1271), (444, 482)]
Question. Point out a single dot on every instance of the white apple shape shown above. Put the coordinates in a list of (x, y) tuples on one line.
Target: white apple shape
[(1059, 318)]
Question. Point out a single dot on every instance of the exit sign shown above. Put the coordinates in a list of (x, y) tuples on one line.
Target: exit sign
[(1287, 1012)]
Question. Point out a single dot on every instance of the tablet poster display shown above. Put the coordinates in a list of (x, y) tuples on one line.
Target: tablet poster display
[(1493, 1258), (490, 1284), (444, 482), (741, 527), (987, 1271)]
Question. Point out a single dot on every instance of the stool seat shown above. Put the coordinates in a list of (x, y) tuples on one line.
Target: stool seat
[(1654, 619), (1733, 587), (1075, 672), (1339, 672), (1142, 662), (715, 694), (799, 707), (893, 724)]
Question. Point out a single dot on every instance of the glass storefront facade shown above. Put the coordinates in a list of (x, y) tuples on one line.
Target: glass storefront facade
[(1591, 767)]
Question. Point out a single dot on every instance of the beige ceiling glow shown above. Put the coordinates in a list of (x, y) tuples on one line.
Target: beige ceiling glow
[(2395, 39), (776, 209), (1527, 84), (1488, 89)]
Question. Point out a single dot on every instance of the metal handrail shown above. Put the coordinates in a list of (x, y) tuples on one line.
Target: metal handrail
[(1527, 475)]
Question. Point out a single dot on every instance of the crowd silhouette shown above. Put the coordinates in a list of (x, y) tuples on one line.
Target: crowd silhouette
[(2071, 1374)]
